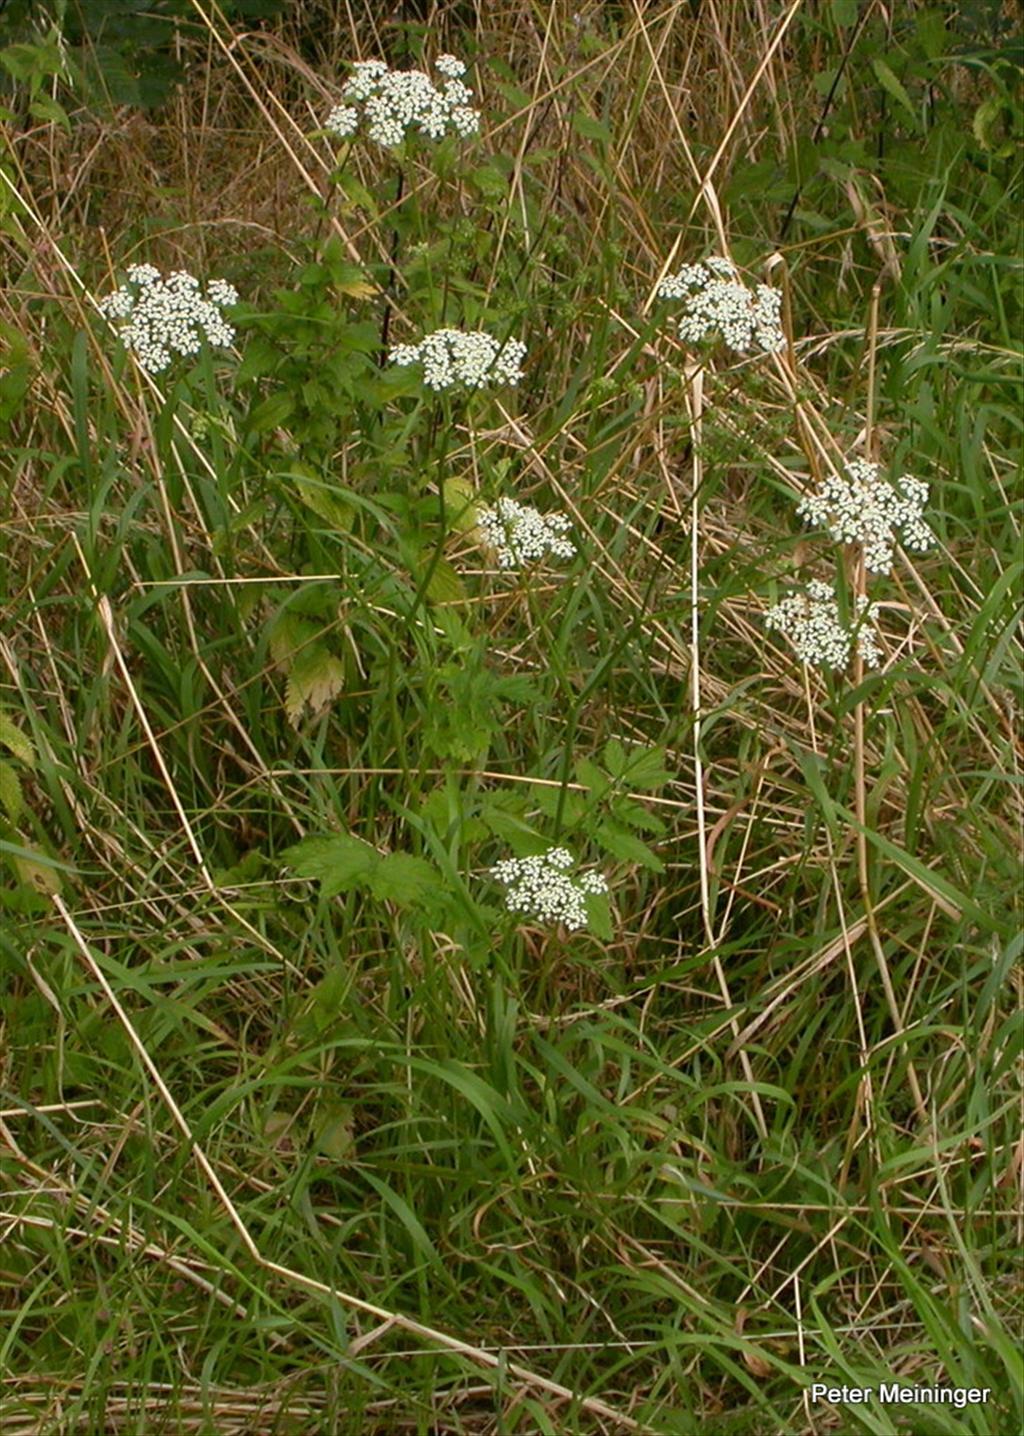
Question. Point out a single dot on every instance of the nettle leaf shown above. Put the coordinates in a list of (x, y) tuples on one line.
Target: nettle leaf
[(315, 679), (16, 742), (10, 792), (627, 846)]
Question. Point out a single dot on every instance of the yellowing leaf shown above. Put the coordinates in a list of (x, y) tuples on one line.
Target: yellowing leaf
[(16, 742), (290, 633), (445, 584), (358, 289), (314, 681), (10, 792), (460, 505), (38, 875)]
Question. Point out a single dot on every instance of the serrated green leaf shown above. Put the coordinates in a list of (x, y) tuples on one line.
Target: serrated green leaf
[(627, 846), (289, 633), (599, 917), (403, 878), (45, 108), (339, 863), (573, 805), (271, 412), (614, 757), (893, 86), (590, 128), (318, 496), (635, 815), (10, 792), (15, 741), (590, 775), (645, 769), (315, 679)]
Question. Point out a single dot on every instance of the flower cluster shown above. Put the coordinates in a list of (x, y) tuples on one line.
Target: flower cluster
[(812, 624), (539, 887), (862, 506), (453, 357), (160, 317), (395, 103), (717, 302), (521, 534)]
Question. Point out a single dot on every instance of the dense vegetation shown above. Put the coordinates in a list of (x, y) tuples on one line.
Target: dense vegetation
[(301, 1127)]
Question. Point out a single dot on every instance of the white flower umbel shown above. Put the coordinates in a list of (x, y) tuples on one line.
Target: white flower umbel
[(521, 535), (540, 888), (812, 624), (863, 506), (452, 358), (397, 103), (159, 318), (716, 303)]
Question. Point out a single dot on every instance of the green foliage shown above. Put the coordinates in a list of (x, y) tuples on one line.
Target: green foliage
[(269, 714)]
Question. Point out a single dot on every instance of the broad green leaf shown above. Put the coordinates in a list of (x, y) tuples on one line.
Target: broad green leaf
[(590, 775), (339, 863), (460, 505), (628, 847), (403, 878), (45, 108), (445, 583), (271, 412), (614, 757), (645, 769), (599, 918)]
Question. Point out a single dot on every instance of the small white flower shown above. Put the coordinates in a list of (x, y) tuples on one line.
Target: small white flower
[(160, 318), (863, 506), (398, 103), (454, 357), (343, 121), (521, 534), (449, 66), (717, 303), (540, 888), (812, 624)]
